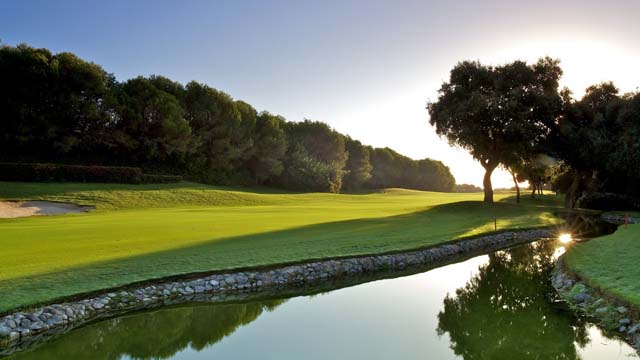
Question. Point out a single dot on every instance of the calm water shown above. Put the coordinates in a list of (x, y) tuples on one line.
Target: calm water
[(489, 307)]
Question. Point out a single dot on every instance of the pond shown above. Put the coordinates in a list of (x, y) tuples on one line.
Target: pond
[(497, 306)]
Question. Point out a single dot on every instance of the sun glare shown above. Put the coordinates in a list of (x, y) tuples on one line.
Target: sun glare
[(565, 238), (585, 60)]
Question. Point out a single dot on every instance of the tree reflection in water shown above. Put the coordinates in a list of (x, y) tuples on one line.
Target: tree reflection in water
[(153, 335), (503, 312)]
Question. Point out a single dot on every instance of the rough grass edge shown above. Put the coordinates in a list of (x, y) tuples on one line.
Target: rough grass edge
[(616, 316)]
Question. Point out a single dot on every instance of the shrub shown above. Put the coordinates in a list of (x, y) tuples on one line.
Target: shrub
[(81, 173), (304, 173), (160, 179), (466, 188), (608, 201), (77, 173)]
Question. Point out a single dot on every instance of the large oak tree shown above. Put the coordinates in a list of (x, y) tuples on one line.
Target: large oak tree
[(498, 113)]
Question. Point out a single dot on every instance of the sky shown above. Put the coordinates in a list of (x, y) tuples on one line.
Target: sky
[(367, 68)]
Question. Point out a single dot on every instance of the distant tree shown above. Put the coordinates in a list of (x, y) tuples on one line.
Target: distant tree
[(497, 112), (383, 174), (391, 169), (316, 157), (303, 172), (467, 188), (243, 139), (433, 175), (358, 167), (52, 107), (269, 148), (169, 86), (60, 108), (533, 169), (151, 127), (536, 172), (217, 121)]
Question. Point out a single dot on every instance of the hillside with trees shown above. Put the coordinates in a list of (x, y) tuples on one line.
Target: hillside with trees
[(58, 108)]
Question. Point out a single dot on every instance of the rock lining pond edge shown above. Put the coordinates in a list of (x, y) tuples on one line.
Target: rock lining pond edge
[(610, 313)]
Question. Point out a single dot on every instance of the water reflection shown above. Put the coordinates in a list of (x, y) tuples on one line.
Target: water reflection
[(488, 307), (154, 335), (503, 312)]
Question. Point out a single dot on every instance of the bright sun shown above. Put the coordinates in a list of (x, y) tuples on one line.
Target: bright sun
[(565, 238)]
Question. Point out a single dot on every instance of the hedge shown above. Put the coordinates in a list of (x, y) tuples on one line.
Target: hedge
[(608, 201), (160, 179), (79, 173)]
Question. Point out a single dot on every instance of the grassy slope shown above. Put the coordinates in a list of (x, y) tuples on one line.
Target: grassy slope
[(140, 232), (610, 263)]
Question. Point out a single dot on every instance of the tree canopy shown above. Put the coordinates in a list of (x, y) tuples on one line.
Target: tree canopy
[(59, 108), (597, 140), (499, 114), (514, 116)]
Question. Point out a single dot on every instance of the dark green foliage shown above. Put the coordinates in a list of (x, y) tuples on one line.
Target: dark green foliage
[(175, 329), (504, 311), (432, 175), (75, 173), (358, 167), (560, 177), (597, 139), (466, 188), (315, 159), (499, 114), (215, 118), (81, 173), (303, 172), (391, 169), (160, 179), (59, 108), (53, 106), (151, 126), (608, 201), (269, 148)]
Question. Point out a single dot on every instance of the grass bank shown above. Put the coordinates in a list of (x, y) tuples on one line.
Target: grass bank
[(610, 263), (140, 232)]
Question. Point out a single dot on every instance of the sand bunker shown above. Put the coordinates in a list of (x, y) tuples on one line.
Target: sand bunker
[(14, 209)]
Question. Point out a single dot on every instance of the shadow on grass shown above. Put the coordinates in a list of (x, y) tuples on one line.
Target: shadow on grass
[(546, 200), (328, 240)]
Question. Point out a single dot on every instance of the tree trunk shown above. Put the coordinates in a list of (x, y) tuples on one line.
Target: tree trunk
[(533, 192), (571, 196), (515, 181), (486, 183)]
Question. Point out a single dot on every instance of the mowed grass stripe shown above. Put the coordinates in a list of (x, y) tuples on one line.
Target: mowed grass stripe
[(50, 257)]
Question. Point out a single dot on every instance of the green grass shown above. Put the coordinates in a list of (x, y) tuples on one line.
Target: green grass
[(610, 263), (140, 232)]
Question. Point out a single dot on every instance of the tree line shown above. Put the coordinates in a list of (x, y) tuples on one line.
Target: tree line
[(60, 108), (516, 116)]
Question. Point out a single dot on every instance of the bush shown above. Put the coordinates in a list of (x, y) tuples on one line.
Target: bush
[(304, 173), (466, 188), (80, 173), (608, 201), (77, 173), (160, 179)]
